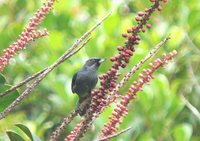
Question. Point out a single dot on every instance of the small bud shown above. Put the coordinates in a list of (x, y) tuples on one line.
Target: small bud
[(113, 70), (148, 25), (124, 35), (101, 77), (129, 52), (159, 8), (112, 59), (129, 30), (123, 65), (117, 64), (120, 48), (137, 18), (131, 37), (134, 28), (165, 1), (143, 29), (147, 10), (141, 13)]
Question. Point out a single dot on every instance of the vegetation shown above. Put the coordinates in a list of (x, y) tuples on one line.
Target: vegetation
[(166, 109)]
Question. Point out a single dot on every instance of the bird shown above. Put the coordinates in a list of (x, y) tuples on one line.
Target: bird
[(84, 81)]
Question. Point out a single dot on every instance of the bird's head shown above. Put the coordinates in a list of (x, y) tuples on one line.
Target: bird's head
[(94, 63)]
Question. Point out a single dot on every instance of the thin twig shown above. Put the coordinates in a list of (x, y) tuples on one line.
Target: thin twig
[(13, 88), (64, 57), (190, 106), (62, 126), (135, 68), (114, 135), (29, 89)]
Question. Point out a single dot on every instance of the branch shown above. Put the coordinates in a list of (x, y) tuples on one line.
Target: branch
[(115, 135), (62, 126), (37, 81), (29, 78), (13, 88), (190, 106), (64, 57)]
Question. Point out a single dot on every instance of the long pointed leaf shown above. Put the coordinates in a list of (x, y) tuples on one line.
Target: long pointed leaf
[(14, 136)]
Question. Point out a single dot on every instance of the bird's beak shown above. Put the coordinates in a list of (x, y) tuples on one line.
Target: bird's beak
[(102, 60)]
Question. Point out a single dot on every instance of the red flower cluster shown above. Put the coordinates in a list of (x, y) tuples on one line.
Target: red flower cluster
[(108, 80), (73, 133), (29, 34), (121, 109)]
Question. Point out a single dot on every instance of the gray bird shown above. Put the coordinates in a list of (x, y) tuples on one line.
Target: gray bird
[(84, 81)]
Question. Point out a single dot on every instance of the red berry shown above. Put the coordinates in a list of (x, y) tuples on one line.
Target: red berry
[(112, 59), (147, 10), (132, 48), (124, 35), (109, 72), (143, 29), (126, 59), (117, 57), (102, 82), (120, 48), (148, 25), (165, 1), (159, 8), (141, 13), (136, 42), (137, 18), (123, 65), (105, 75), (131, 37), (117, 63), (129, 30), (134, 28), (138, 37), (100, 76), (129, 52), (113, 70)]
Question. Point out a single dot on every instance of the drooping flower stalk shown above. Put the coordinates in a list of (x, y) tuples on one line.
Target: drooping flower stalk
[(29, 33), (122, 108)]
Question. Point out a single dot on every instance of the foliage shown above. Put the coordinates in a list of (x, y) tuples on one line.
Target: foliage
[(157, 113)]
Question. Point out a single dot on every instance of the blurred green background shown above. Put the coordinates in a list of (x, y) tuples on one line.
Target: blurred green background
[(158, 113)]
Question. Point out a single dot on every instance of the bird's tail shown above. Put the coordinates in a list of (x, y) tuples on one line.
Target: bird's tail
[(83, 105)]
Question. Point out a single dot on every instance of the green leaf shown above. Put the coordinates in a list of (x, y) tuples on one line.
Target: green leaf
[(2, 80), (25, 130), (183, 132), (14, 136), (7, 99)]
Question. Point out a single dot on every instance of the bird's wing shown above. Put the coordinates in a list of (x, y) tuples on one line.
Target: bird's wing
[(73, 85)]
